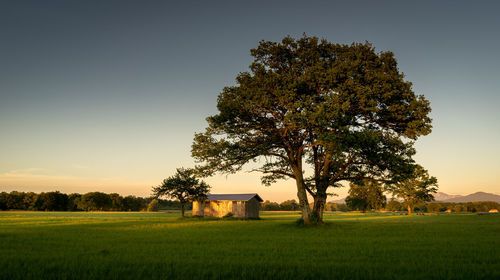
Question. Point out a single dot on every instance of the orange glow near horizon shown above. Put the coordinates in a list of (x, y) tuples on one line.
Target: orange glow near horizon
[(237, 183)]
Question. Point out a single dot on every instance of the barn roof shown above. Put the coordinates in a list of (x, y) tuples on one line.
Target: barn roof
[(239, 196)]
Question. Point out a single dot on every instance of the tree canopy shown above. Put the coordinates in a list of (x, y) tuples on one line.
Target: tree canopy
[(367, 195), (184, 186), (96, 201), (418, 188), (316, 112)]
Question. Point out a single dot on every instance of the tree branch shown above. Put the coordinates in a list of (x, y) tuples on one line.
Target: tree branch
[(275, 172)]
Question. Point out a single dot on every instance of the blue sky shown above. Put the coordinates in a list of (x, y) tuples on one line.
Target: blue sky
[(107, 95)]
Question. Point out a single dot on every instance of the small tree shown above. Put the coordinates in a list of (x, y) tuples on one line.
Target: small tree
[(394, 205), (417, 189), (367, 195), (183, 186)]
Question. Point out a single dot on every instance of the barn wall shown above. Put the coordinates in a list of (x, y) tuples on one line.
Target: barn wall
[(198, 208), (195, 208), (239, 208), (225, 207), (218, 208), (252, 208)]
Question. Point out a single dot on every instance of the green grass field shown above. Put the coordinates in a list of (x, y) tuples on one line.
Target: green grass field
[(49, 245)]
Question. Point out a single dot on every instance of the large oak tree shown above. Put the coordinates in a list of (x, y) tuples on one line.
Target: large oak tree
[(318, 113)]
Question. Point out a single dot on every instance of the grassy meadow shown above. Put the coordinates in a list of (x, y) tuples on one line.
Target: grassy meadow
[(79, 245)]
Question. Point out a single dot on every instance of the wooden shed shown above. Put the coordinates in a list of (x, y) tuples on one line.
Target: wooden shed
[(219, 205)]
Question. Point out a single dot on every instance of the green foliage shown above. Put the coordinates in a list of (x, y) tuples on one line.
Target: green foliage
[(73, 201), (332, 206), (183, 186), (51, 201), (95, 201), (292, 205), (289, 205), (56, 201), (478, 206), (458, 208), (337, 207), (116, 202), (164, 204), (270, 206), (394, 205), (418, 188), (434, 207), (15, 200), (133, 203), (30, 199), (366, 196), (344, 110), (3, 200)]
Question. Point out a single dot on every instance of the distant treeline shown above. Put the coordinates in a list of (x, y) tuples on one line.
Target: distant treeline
[(292, 205), (98, 201), (92, 201), (393, 205), (478, 206)]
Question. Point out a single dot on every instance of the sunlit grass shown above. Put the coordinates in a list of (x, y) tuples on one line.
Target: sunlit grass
[(66, 245)]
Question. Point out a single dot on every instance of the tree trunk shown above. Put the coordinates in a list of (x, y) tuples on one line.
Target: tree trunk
[(201, 208), (302, 196), (301, 186), (304, 203), (409, 210), (182, 209), (319, 207)]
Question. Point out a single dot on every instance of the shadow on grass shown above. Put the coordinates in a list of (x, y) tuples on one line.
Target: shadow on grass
[(225, 218)]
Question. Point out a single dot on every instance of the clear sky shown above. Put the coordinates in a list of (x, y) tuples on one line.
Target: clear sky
[(107, 95)]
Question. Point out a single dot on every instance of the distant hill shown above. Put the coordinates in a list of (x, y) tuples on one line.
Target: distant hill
[(339, 201), (478, 196), (444, 197), (441, 196)]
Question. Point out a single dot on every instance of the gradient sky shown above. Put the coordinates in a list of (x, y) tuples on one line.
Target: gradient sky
[(107, 95)]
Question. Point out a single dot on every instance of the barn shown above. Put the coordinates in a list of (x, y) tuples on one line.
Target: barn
[(245, 205)]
